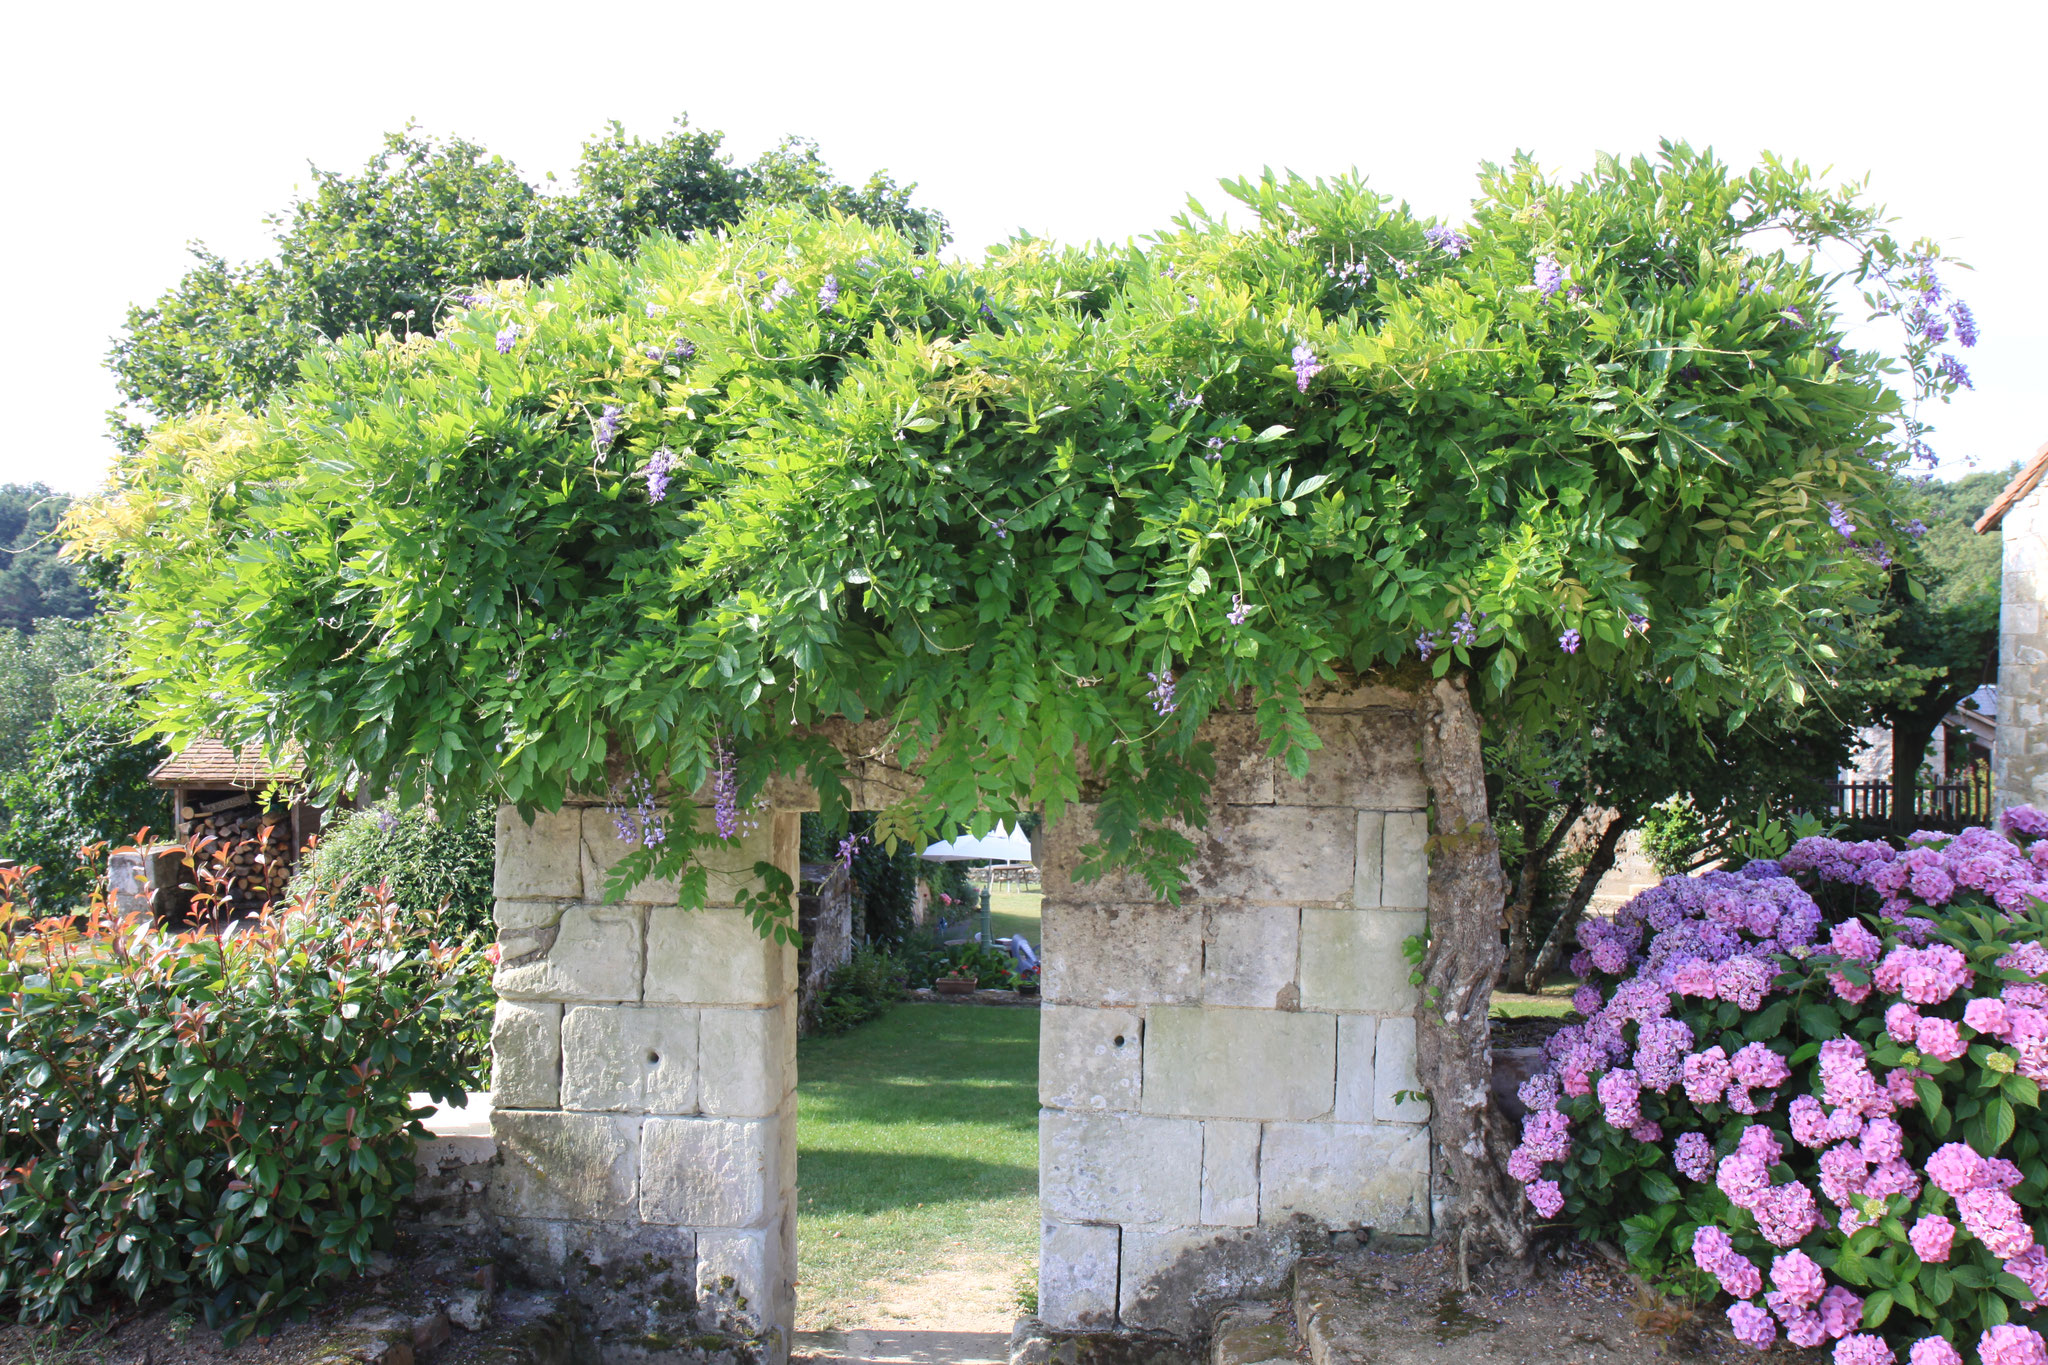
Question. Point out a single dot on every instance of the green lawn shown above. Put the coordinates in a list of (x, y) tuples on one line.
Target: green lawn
[(917, 1146), (1555, 1002), (1011, 913)]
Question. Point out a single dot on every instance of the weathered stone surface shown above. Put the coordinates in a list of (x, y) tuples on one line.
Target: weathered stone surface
[(1248, 956), (1129, 954), (633, 1058), (1278, 855), (1370, 870), (714, 957), (1351, 960), (1346, 1175), (554, 1165), (1089, 1058), (626, 1278), (1404, 882), (744, 1055), (600, 849), (1244, 770), (741, 1275), (1253, 1064), (1059, 852), (2020, 756), (541, 859), (710, 1172), (1370, 760), (526, 1055), (1357, 1039), (1252, 1333), (1230, 1173), (1394, 1070), (1077, 1272), (1170, 1273), (591, 953), (1119, 1168)]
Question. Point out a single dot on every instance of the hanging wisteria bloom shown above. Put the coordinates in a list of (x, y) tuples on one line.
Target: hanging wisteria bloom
[(782, 290), (506, 338), (606, 429), (1839, 519), (657, 472), (1239, 613), (1465, 630), (1916, 528), (828, 293), (849, 846), (1450, 241), (1569, 642), (1351, 276), (1953, 369), (1549, 276), (1162, 693), (1639, 623), (1425, 644), (636, 817), (1306, 366), (1965, 321), (682, 350), (725, 792)]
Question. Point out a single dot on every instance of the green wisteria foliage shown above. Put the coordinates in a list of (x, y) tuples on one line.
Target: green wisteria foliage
[(1042, 514)]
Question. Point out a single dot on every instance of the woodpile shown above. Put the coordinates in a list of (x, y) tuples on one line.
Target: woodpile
[(233, 831)]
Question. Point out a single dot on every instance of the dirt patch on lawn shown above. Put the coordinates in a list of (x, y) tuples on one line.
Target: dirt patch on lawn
[(968, 1291)]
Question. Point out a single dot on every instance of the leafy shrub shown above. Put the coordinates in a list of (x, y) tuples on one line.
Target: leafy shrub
[(860, 989), (438, 871), (225, 1117), (1741, 1053), (1673, 835)]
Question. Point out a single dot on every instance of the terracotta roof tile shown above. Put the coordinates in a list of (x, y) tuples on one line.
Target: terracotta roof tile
[(207, 761), (2022, 484)]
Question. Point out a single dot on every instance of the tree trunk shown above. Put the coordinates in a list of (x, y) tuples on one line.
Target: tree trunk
[(1567, 927), (1911, 734), (1454, 1052), (1524, 898)]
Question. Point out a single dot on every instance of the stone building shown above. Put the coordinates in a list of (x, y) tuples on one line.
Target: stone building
[(2020, 754), (1225, 1083)]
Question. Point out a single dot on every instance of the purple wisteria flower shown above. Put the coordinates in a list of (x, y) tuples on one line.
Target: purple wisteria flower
[(1306, 366), (1213, 448), (1965, 321), (1465, 630), (1793, 316), (1162, 693), (636, 816), (782, 290), (1351, 276), (1916, 528), (1953, 369), (828, 293), (1569, 642), (1639, 623), (849, 846), (657, 472), (725, 792), (1839, 519), (1239, 613), (507, 337), (1549, 276), (606, 429), (1450, 241), (1425, 644), (682, 350)]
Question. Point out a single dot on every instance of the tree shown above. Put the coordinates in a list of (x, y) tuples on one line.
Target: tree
[(387, 249), (1040, 516), (35, 582)]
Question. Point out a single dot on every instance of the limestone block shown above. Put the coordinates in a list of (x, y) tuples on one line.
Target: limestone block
[(1404, 879), (714, 957), (591, 953), (1370, 760), (1089, 1058), (743, 1272), (636, 1058), (1394, 1072), (553, 1165), (744, 1052), (559, 1255), (1119, 1168), (1102, 954), (1367, 875), (600, 849), (540, 859), (526, 1055), (1244, 770), (711, 1172), (1374, 696), (2022, 618), (1248, 956), (1077, 1271), (1346, 1175), (1351, 960), (1230, 1173), (1357, 1038), (1279, 855), (1170, 1274), (1252, 1064), (1059, 851), (525, 919)]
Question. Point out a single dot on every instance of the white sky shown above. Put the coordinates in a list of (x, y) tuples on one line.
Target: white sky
[(135, 128)]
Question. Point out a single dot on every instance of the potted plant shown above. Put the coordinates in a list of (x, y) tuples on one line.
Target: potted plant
[(1027, 981), (956, 982)]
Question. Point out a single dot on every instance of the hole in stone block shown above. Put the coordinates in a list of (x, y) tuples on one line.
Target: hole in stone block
[(653, 1059), (1119, 1040)]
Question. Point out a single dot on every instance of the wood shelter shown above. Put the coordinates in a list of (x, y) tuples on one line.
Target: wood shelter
[(243, 805)]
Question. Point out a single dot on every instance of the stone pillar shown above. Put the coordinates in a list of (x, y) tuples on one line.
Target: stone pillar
[(2020, 754), (644, 1086), (1219, 1078)]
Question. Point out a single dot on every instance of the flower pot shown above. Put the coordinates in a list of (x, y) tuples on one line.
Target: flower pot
[(954, 985), (1027, 988)]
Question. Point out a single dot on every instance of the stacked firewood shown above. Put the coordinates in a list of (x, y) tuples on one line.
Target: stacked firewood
[(242, 841)]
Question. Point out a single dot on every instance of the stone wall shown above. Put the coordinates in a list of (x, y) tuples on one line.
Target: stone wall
[(644, 1092), (1220, 1077), (2020, 757)]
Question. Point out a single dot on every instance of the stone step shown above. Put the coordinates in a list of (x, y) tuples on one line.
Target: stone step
[(1254, 1332)]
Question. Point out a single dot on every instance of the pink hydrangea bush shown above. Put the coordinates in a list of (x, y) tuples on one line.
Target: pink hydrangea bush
[(1834, 1118)]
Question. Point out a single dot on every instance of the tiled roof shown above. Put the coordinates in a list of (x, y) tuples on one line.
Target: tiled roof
[(2022, 484), (207, 761)]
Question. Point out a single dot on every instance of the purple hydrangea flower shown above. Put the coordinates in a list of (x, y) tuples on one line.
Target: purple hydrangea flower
[(828, 293), (1549, 276), (606, 429), (1953, 369), (657, 472), (1450, 241), (1162, 693), (1306, 366), (507, 337), (1965, 321), (1569, 642)]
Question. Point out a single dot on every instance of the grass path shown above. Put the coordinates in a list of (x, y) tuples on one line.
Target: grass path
[(917, 1168)]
